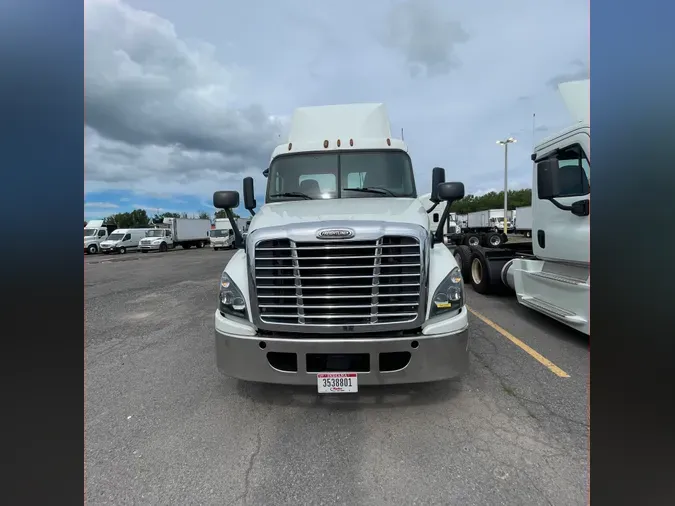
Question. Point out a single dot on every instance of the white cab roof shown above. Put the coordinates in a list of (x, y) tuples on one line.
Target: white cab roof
[(367, 125)]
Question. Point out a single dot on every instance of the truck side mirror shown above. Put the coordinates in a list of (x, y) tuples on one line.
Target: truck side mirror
[(226, 200), (437, 177), (547, 179), (450, 191), (249, 194)]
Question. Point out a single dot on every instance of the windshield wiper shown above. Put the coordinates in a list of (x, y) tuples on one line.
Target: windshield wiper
[(292, 194), (372, 189)]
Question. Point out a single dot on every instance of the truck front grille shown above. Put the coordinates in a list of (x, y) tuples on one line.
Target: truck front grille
[(355, 283)]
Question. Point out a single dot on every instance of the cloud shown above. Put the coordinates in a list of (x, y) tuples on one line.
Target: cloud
[(124, 199), (426, 35), (580, 70), (101, 205), (161, 108)]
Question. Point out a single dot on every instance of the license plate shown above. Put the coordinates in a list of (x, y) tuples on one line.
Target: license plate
[(337, 382)]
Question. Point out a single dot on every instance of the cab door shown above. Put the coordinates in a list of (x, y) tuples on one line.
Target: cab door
[(560, 235)]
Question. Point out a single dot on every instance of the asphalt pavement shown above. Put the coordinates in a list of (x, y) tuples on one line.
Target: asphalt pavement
[(164, 427)]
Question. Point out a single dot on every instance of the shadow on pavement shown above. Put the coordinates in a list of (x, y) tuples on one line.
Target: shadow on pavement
[(420, 394)]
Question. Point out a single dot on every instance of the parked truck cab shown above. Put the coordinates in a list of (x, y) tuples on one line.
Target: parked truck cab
[(94, 233), (341, 282)]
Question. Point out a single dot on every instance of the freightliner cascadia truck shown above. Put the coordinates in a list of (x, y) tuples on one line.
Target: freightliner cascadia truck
[(340, 282)]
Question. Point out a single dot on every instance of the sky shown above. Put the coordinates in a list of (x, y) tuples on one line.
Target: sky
[(186, 98)]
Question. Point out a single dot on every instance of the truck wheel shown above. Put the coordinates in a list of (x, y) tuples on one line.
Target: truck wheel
[(215, 249), (92, 249), (162, 247), (472, 239), (493, 240), (186, 246), (122, 250), (480, 273), (200, 245), (463, 259), (528, 234), (144, 251)]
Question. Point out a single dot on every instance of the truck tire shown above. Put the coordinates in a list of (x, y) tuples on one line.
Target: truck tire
[(463, 259), (92, 249), (144, 251), (215, 249), (122, 250), (163, 247), (480, 273), (200, 245), (472, 239), (528, 234), (186, 245), (493, 240)]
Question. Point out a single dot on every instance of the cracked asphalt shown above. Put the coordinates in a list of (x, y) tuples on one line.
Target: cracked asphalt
[(163, 427)]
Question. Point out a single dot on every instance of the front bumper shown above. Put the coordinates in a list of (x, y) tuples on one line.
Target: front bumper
[(149, 247), (439, 352)]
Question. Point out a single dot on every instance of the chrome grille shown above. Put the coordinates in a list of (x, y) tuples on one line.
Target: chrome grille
[(342, 284)]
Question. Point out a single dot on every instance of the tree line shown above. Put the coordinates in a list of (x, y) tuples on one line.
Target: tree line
[(492, 200), (139, 218)]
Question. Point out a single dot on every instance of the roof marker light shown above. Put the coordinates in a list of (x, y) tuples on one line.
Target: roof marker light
[(338, 143), (290, 146), (325, 144), (388, 142), (351, 142)]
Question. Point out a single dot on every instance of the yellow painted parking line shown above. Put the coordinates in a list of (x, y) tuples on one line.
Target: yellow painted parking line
[(534, 354)]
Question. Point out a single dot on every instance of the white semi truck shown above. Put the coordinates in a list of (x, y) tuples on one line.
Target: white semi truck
[(94, 234), (222, 236), (552, 273), (340, 282), (172, 232)]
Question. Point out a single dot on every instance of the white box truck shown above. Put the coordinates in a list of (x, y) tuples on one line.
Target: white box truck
[(491, 219), (94, 233), (340, 282), (222, 236), (550, 274), (172, 232), (522, 221)]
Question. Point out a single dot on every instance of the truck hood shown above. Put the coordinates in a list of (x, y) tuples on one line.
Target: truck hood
[(391, 210)]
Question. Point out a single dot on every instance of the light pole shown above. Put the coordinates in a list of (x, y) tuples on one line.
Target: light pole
[(506, 143)]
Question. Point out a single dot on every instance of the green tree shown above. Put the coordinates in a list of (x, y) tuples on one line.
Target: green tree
[(138, 218), (220, 213), (203, 215), (492, 200)]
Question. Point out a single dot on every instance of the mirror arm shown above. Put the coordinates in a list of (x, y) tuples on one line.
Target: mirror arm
[(438, 236), (560, 206), (432, 207), (238, 238), (251, 211)]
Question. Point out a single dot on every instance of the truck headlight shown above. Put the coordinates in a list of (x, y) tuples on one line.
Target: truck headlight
[(449, 295), (230, 299)]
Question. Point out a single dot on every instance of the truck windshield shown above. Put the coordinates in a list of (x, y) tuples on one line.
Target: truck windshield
[(115, 237), (154, 233), (358, 174), (89, 232), (219, 233)]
